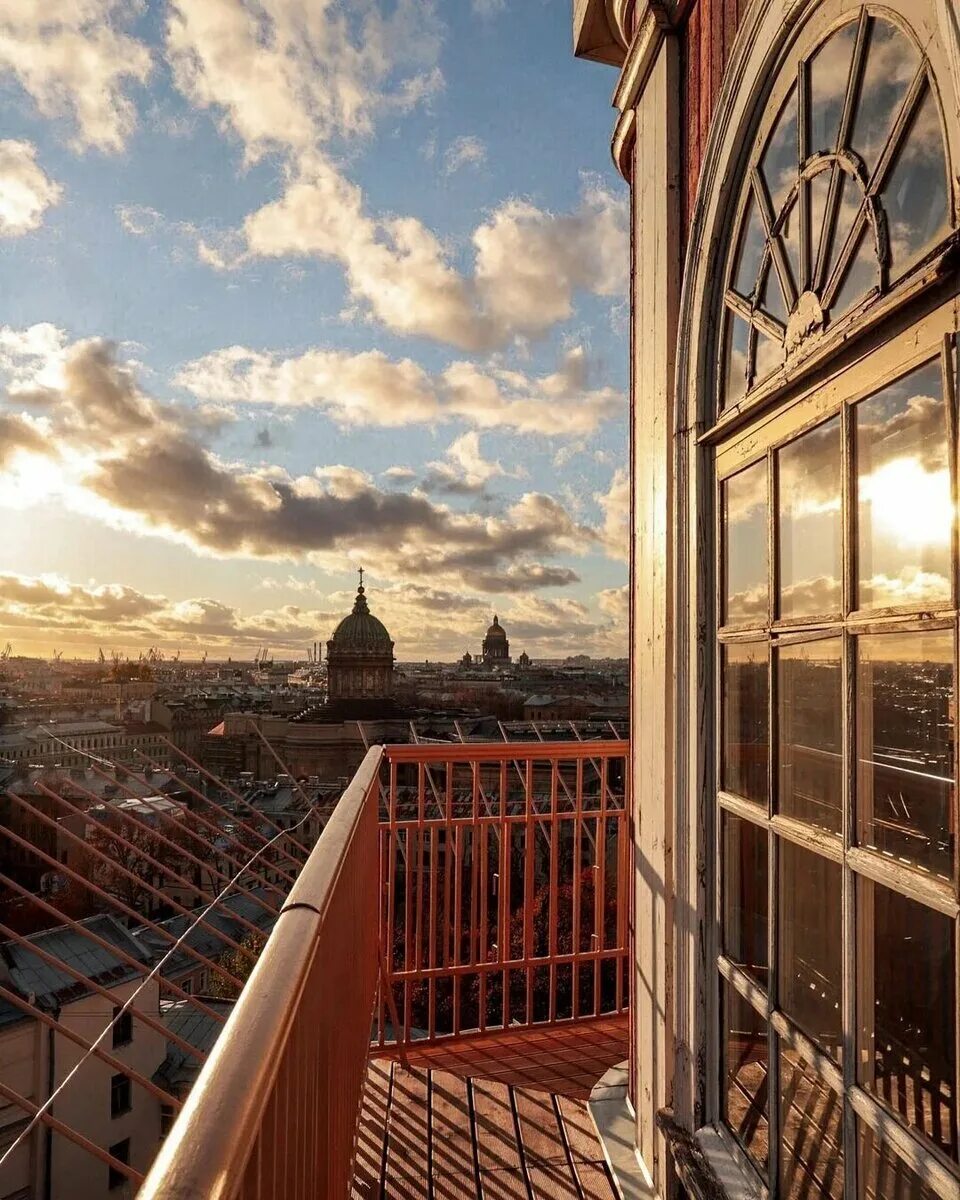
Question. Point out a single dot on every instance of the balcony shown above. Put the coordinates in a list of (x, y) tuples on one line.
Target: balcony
[(445, 981)]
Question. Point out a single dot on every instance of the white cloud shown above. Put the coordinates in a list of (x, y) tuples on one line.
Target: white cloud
[(26, 192), (488, 8), (285, 75), (528, 262), (463, 470), (615, 504), (466, 151), (75, 61), (369, 389)]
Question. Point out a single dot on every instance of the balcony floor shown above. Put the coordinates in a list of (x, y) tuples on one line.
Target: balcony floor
[(496, 1116)]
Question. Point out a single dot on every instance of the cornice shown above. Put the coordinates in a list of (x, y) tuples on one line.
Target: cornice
[(652, 23)]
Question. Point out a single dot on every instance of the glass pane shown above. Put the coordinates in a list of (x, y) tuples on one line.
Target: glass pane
[(790, 238), (891, 64), (862, 274), (771, 295), (810, 533), (810, 952), (819, 188), (851, 200), (905, 733), (907, 1016), (752, 243), (769, 355), (736, 368), (915, 195), (811, 1114), (881, 1175), (779, 165), (745, 1076), (745, 895), (829, 72), (904, 494), (810, 745), (745, 720), (745, 509)]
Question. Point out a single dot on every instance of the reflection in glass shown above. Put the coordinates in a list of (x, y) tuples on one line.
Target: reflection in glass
[(819, 192), (848, 207), (752, 243), (905, 735), (915, 194), (891, 64), (745, 720), (771, 294), (769, 356), (745, 1092), (810, 744), (781, 157), (737, 348), (905, 511), (790, 237), (745, 895), (829, 71), (881, 1175), (906, 1011), (811, 1131), (862, 274), (810, 531), (810, 949), (745, 544)]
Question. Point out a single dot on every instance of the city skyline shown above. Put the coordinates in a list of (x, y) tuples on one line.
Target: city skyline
[(376, 327)]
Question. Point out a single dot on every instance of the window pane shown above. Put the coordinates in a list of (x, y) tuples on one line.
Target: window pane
[(745, 544), (745, 895), (810, 740), (780, 162), (810, 531), (829, 72), (862, 273), (891, 64), (915, 195), (753, 239), (737, 334), (906, 1001), (745, 1076), (905, 509), (881, 1175), (745, 720), (810, 952), (905, 734), (811, 1115)]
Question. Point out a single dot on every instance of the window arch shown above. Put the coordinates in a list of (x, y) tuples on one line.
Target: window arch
[(846, 191)]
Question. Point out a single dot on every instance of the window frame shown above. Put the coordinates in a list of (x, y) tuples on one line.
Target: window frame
[(931, 338), (121, 1095)]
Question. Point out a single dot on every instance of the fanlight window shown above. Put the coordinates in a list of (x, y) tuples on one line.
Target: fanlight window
[(848, 192)]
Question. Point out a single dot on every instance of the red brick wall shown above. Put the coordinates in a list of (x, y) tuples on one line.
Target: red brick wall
[(706, 43)]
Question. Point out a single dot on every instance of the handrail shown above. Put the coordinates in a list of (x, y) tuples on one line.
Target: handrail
[(466, 752), (273, 1114)]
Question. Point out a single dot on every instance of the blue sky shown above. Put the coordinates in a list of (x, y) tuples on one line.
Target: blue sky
[(297, 286)]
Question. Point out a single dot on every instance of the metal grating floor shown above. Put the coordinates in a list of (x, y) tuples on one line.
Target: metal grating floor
[(497, 1117)]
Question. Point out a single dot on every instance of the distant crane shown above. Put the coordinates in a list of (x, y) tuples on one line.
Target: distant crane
[(6, 652), (57, 655), (101, 657)]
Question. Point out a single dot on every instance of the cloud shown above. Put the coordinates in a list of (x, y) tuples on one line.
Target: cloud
[(615, 504), (287, 76), (528, 263), (465, 151), (422, 618), (488, 8), (463, 471), (26, 192), (370, 389), (137, 463), (76, 62)]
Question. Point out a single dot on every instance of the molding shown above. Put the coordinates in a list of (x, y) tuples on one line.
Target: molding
[(652, 25)]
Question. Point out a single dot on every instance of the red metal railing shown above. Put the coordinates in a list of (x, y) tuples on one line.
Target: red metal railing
[(504, 876), (273, 1114), (494, 894)]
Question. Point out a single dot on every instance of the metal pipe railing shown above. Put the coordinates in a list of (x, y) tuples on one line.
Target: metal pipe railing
[(274, 1112)]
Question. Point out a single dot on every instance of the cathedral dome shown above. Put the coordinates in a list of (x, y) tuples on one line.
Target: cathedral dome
[(496, 630), (361, 631)]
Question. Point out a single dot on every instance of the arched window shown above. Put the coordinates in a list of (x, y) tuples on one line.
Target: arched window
[(843, 198), (831, 376)]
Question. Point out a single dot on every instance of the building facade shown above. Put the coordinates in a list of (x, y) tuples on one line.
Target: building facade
[(793, 173)]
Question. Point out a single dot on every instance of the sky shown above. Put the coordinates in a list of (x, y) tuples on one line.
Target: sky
[(295, 286)]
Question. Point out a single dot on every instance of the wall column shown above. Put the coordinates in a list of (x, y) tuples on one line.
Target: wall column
[(656, 277)]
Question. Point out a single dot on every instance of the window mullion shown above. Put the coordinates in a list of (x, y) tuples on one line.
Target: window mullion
[(773, 858)]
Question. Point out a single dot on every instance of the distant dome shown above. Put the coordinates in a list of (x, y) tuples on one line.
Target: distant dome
[(496, 630), (361, 630)]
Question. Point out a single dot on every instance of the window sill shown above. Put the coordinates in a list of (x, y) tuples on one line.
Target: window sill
[(706, 1166)]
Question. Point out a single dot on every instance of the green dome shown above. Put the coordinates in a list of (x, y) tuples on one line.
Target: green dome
[(361, 630)]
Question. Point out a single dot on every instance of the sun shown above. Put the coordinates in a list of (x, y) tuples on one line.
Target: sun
[(908, 504)]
